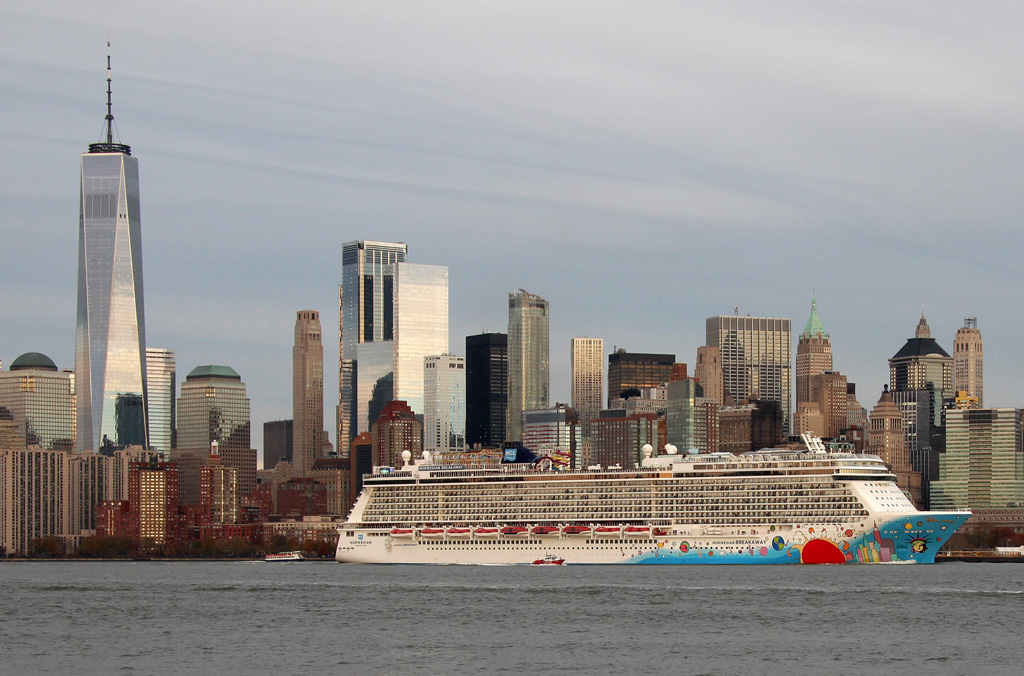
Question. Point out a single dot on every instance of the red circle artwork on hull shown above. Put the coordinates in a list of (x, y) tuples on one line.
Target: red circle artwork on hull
[(821, 551)]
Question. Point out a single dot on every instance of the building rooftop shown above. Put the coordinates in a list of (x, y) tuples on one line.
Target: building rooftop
[(213, 371), (33, 360), (814, 326)]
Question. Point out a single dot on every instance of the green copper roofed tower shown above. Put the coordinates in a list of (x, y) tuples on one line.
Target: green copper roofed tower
[(110, 336), (813, 354)]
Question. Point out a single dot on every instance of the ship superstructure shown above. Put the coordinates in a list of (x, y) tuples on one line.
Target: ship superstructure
[(769, 506)]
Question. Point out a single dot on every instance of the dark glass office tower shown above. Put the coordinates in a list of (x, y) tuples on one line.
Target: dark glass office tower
[(110, 335), (486, 388)]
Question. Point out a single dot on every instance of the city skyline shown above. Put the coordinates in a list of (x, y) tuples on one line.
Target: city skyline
[(503, 169)]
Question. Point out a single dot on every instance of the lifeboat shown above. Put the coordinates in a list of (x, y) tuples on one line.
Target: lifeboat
[(577, 530), (514, 530), (660, 531), (402, 532), (632, 530), (608, 530), (543, 530), (432, 532), (459, 532), (485, 531)]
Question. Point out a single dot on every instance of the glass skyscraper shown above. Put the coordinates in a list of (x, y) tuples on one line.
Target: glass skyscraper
[(394, 313), (37, 405), (367, 316), (110, 335), (528, 358), (444, 403), (161, 387)]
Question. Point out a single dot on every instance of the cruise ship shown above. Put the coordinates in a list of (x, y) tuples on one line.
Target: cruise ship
[(764, 507)]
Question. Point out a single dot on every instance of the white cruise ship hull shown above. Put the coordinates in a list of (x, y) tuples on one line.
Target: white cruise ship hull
[(768, 507), (914, 538)]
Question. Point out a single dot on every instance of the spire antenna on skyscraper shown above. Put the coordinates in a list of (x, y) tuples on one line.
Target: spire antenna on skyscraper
[(108, 145)]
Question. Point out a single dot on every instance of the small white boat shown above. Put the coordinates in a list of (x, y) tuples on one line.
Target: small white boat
[(284, 557)]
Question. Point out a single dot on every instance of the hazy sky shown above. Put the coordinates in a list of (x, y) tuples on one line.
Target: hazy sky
[(641, 165)]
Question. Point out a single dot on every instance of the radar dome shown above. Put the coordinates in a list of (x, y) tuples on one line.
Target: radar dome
[(406, 457)]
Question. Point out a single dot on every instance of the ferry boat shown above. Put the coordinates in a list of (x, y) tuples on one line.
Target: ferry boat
[(763, 507), (284, 557)]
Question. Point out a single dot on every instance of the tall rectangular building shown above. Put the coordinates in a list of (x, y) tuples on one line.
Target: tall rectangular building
[(213, 407), (367, 316), (630, 371), (161, 386), (587, 359), (983, 466), (756, 354), (969, 361), (34, 497), (110, 333), (278, 438), (486, 389), (421, 326), (394, 313), (37, 405), (444, 403), (307, 392), (813, 355), (528, 358)]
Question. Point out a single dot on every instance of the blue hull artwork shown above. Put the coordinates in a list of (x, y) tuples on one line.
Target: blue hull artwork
[(906, 540)]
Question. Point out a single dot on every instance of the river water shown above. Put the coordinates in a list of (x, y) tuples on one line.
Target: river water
[(327, 618)]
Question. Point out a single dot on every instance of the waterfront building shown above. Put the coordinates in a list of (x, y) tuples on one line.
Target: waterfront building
[(444, 403), (553, 432), (213, 407), (307, 392), (218, 491), (335, 475), (90, 475), (630, 371), (110, 334), (301, 497), (813, 355), (162, 394), (587, 359), (528, 358), (395, 430), (486, 389), (983, 466), (34, 497), (153, 515), (37, 405), (277, 442), (969, 361), (366, 300), (756, 355)]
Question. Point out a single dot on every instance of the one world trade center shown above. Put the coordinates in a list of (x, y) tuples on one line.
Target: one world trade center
[(110, 336)]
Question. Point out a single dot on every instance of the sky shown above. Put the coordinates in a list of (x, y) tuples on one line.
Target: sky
[(642, 166)]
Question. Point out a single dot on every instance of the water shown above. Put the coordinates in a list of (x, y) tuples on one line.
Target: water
[(327, 618)]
